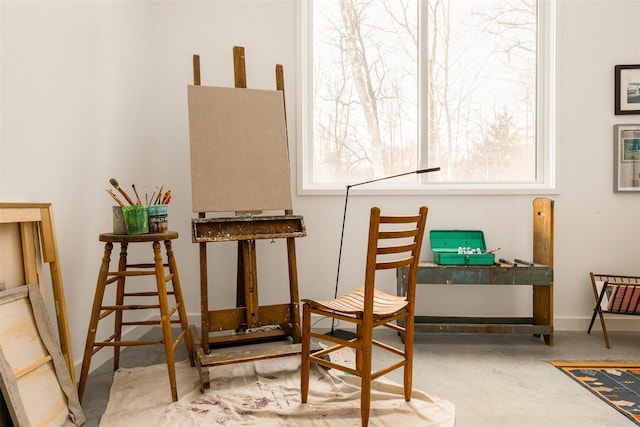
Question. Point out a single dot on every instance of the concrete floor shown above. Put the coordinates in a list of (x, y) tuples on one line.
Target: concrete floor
[(493, 380)]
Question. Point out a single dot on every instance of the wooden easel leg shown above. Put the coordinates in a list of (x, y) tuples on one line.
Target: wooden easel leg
[(204, 300), (203, 372), (293, 291)]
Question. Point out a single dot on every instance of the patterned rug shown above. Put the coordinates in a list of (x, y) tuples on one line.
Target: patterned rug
[(618, 384)]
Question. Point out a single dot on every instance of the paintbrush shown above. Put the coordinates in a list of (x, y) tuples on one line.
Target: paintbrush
[(153, 195), (124, 193), (136, 191), (112, 194), (158, 198)]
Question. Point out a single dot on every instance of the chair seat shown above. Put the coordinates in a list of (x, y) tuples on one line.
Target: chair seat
[(353, 303)]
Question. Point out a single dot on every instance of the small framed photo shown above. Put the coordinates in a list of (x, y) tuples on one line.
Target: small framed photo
[(626, 160), (627, 84)]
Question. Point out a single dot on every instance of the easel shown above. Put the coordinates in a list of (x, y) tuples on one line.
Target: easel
[(248, 314), (33, 219)]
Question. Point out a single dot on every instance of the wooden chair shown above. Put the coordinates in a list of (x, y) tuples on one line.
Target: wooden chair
[(394, 242)]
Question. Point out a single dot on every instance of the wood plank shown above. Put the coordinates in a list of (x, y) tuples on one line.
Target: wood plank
[(498, 274), (21, 212), (543, 244), (233, 318), (51, 255), (246, 337), (474, 320), (487, 328), (248, 355), (34, 365), (30, 261)]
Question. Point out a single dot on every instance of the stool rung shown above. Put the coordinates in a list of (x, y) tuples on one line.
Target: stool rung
[(178, 339), (105, 314), (145, 265), (148, 322), (126, 273), (145, 294), (100, 345), (128, 343), (129, 307), (173, 309), (111, 280)]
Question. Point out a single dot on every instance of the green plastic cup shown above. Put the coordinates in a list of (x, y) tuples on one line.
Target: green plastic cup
[(136, 219)]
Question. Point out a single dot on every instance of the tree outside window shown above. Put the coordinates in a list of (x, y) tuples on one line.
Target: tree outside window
[(406, 84)]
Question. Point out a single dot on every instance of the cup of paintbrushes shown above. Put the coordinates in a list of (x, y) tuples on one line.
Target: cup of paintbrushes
[(136, 219), (119, 226), (158, 218)]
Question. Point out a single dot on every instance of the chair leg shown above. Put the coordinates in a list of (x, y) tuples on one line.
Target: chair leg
[(408, 354), (365, 363), (305, 365)]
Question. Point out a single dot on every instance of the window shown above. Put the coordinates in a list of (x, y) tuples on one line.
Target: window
[(391, 86)]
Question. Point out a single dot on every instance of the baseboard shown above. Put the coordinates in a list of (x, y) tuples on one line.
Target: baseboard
[(613, 322)]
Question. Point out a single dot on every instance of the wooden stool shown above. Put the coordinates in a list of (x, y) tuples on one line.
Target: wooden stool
[(100, 311)]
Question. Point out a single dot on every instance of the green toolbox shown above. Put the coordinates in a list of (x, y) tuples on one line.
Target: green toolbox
[(460, 247)]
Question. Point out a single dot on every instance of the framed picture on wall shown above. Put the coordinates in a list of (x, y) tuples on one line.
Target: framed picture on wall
[(627, 85), (626, 160)]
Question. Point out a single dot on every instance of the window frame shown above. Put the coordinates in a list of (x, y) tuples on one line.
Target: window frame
[(545, 127)]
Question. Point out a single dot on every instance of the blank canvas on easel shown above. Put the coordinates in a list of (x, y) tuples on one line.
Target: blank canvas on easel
[(239, 155)]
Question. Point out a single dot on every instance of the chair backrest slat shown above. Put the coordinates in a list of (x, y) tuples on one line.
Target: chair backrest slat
[(394, 242), (385, 265), (396, 249), (398, 234)]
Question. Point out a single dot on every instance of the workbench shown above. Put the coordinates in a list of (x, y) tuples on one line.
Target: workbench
[(539, 275)]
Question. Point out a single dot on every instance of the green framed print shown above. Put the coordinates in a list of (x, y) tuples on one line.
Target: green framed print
[(626, 160)]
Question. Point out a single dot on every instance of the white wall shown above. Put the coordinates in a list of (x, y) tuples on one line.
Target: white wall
[(94, 90)]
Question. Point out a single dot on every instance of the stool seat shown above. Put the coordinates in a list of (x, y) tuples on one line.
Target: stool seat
[(100, 311), (134, 238)]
